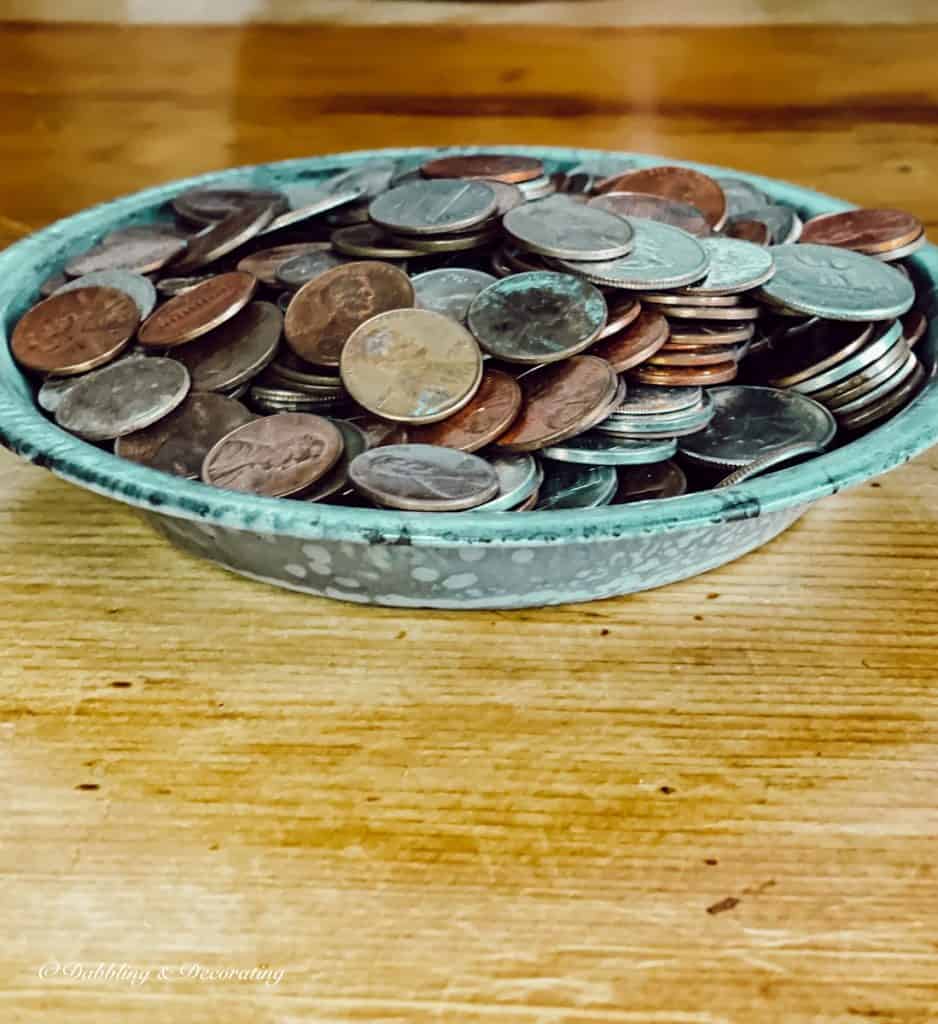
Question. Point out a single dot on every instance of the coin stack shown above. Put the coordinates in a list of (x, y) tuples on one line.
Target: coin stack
[(479, 332)]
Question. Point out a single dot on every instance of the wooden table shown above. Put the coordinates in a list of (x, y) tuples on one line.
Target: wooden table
[(707, 804)]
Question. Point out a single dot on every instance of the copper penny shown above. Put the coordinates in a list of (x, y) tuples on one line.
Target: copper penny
[(197, 311), (490, 412), (684, 335), (509, 169), (411, 365), (140, 255), (224, 236), (680, 183), (276, 456), (700, 356), (747, 230), (622, 312), (638, 342), (265, 263), (75, 331), (674, 376), (560, 401), (325, 311), (868, 231), (660, 208), (179, 442), (914, 326)]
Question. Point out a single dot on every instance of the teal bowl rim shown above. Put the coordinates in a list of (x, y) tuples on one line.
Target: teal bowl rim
[(27, 432)]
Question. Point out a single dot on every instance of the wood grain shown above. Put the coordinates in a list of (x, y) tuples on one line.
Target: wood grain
[(708, 804)]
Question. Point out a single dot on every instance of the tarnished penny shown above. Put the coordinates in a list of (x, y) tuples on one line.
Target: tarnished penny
[(637, 342), (424, 478), (680, 183), (265, 263), (236, 351), (179, 442), (197, 311), (683, 335), (75, 331), (489, 413), (560, 401), (411, 365), (660, 208), (703, 356), (684, 376), (224, 237), (119, 399), (325, 311), (509, 169), (621, 312), (140, 255), (208, 205), (276, 456), (869, 231)]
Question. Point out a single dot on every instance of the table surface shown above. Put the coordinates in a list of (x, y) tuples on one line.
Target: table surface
[(711, 803)]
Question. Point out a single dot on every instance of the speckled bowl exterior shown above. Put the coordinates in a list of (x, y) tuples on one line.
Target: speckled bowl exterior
[(450, 560)]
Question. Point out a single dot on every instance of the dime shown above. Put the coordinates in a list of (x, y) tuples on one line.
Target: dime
[(661, 257), (411, 365), (735, 267), (900, 254), (538, 317), (119, 399), (235, 352), (277, 456), (887, 405), (560, 401), (536, 188), (355, 441), (807, 350), (595, 449), (519, 478), (434, 207), (300, 270), (654, 401), (638, 342), (370, 241), (326, 310), (665, 425), (684, 375), (141, 256), (510, 169), (424, 478), (666, 211), (179, 442), (750, 422), (820, 280), (747, 230), (869, 231), (224, 236), (138, 287), (507, 197), (75, 331), (772, 460), (566, 230), (178, 285), (622, 310), (265, 263), (208, 205), (568, 485), (678, 183), (489, 413), (654, 481), (449, 290), (197, 311)]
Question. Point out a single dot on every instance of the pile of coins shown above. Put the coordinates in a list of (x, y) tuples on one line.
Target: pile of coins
[(479, 332)]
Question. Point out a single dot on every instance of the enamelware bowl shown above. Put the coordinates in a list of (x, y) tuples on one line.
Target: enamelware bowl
[(447, 560)]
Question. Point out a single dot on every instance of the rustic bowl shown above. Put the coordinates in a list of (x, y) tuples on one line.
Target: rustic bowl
[(453, 560)]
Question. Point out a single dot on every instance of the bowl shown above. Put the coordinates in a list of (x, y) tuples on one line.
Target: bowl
[(442, 560)]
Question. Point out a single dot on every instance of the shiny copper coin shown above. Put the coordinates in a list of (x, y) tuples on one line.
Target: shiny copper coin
[(747, 230), (868, 231), (277, 456), (140, 255), (325, 311), (489, 413), (197, 311), (701, 356), (674, 376), (650, 482), (560, 401), (660, 208), (498, 167), (224, 237), (632, 346), (265, 263), (914, 326), (179, 442), (75, 331), (680, 183), (622, 312)]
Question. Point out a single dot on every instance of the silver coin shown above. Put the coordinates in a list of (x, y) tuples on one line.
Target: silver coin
[(872, 395), (838, 284), (208, 205), (449, 290), (773, 460), (685, 216), (741, 197), (369, 180), (370, 241), (138, 287), (564, 229), (538, 317), (54, 389), (661, 257), (136, 232), (432, 207), (685, 298), (303, 268), (863, 380), (657, 400), (729, 313), (123, 397), (224, 236), (885, 337), (785, 226), (140, 255), (355, 441), (568, 485), (604, 165), (536, 188), (902, 251), (178, 285), (424, 478), (666, 424), (519, 476), (507, 197), (750, 422), (313, 207), (596, 449), (235, 352), (735, 266)]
